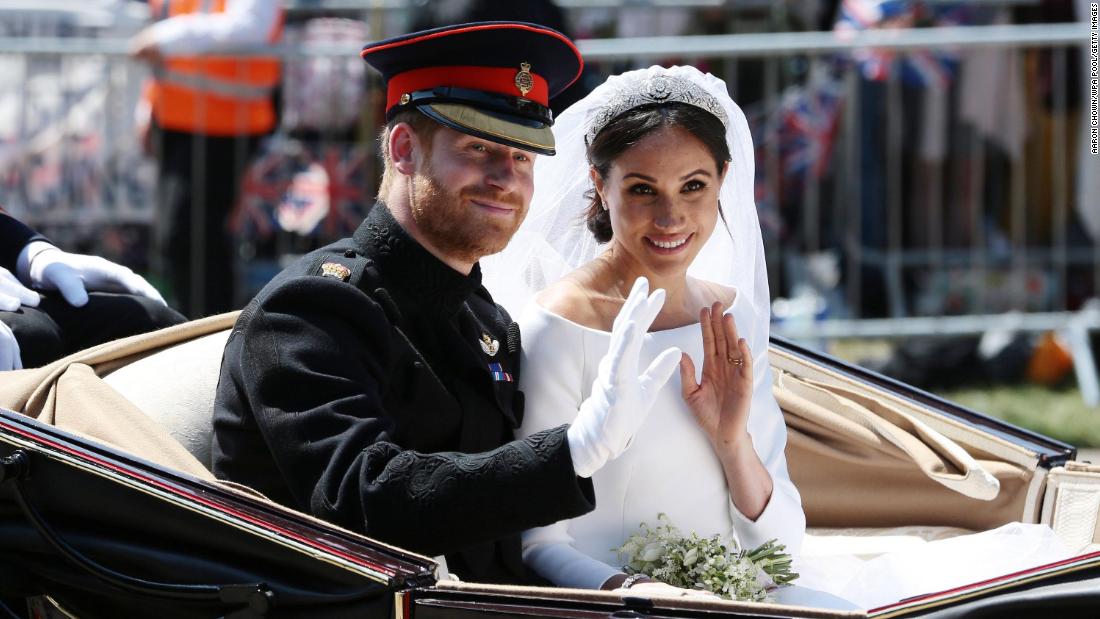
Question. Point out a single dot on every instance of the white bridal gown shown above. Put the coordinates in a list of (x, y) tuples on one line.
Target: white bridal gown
[(671, 468)]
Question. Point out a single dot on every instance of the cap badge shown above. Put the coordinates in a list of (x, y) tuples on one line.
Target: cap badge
[(489, 345), (337, 270), (524, 81), (405, 98)]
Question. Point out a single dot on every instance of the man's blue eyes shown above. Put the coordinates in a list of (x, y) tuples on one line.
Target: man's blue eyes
[(482, 148)]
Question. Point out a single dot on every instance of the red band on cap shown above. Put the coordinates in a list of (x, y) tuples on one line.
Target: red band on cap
[(489, 79)]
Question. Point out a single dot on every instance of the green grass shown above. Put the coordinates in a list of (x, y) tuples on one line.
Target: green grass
[(1057, 413)]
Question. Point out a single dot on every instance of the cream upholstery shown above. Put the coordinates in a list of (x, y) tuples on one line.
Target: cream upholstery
[(175, 387)]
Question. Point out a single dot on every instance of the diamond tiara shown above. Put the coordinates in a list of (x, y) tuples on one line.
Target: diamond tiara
[(656, 89)]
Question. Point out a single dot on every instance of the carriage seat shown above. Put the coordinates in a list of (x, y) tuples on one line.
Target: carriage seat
[(176, 387)]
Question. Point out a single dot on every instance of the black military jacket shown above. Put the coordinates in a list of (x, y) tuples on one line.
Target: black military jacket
[(14, 236), (375, 387)]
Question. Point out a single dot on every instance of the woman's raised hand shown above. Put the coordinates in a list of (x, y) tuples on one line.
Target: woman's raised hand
[(621, 397), (720, 402)]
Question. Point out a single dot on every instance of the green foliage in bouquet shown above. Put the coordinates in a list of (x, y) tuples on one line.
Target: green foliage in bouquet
[(692, 562)]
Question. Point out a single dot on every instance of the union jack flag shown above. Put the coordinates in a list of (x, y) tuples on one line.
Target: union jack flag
[(262, 187), (800, 130), (306, 190), (930, 68), (348, 173)]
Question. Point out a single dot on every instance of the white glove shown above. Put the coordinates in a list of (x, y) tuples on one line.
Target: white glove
[(13, 293), (620, 398), (9, 348), (49, 268)]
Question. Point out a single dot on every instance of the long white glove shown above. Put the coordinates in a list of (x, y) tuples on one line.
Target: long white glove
[(73, 275), (620, 398)]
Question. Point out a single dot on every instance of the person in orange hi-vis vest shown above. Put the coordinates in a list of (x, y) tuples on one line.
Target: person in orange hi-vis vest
[(202, 115)]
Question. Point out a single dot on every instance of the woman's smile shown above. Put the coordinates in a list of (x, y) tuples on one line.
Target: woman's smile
[(668, 245)]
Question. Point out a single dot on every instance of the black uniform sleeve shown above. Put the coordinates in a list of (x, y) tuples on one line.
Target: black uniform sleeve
[(314, 361), (14, 236)]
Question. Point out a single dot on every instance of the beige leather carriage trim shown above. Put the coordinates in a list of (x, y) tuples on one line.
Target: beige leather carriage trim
[(937, 456), (955, 430), (1071, 504), (184, 408), (1048, 501), (1033, 504), (1075, 513)]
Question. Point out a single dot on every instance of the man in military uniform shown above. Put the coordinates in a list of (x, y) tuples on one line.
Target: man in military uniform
[(373, 382)]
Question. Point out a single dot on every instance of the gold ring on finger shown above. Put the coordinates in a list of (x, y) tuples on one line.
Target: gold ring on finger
[(736, 361)]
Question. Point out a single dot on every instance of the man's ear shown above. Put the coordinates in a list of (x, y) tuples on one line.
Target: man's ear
[(404, 148)]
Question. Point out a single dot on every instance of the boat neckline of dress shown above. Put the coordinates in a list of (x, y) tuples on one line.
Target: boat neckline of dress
[(608, 333)]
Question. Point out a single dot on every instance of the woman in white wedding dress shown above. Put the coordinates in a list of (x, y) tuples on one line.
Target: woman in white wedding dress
[(660, 146), (654, 178)]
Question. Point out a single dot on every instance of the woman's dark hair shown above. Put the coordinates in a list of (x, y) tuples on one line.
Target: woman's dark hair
[(632, 127)]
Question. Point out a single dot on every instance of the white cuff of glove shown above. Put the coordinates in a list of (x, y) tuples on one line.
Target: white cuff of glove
[(23, 262), (585, 447)]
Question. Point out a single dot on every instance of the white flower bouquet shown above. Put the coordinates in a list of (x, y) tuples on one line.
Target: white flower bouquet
[(692, 562)]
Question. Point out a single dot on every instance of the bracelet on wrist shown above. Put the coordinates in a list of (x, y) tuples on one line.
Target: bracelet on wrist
[(633, 579)]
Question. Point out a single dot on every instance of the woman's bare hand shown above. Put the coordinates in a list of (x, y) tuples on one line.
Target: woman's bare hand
[(720, 402)]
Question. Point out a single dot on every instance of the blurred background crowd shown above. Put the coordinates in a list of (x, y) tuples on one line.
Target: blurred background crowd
[(924, 171)]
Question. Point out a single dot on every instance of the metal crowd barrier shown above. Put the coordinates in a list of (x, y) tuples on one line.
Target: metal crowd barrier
[(900, 248)]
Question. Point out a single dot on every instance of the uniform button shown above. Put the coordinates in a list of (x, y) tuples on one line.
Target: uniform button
[(418, 365), (349, 253)]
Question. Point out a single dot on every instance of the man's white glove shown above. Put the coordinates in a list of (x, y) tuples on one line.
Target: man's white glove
[(13, 293), (620, 398), (9, 349), (73, 275)]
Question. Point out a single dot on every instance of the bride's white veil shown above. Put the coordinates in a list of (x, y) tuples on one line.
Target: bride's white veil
[(554, 240)]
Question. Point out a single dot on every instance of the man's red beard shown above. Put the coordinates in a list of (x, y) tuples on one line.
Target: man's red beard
[(454, 227)]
